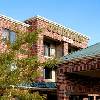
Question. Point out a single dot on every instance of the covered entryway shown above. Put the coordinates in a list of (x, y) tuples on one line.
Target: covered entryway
[(79, 75)]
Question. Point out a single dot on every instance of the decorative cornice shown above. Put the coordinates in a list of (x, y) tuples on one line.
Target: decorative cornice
[(13, 20), (60, 26)]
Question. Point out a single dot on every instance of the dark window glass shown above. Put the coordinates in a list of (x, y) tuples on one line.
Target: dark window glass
[(97, 97), (48, 73), (90, 98)]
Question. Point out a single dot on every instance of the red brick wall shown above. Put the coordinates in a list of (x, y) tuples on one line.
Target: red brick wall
[(61, 83), (46, 31), (55, 35), (8, 24), (38, 48), (40, 24), (72, 82)]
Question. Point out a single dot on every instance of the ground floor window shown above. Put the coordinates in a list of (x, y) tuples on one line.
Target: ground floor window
[(48, 73)]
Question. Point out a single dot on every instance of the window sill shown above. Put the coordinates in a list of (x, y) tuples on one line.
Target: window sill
[(49, 80), (48, 57)]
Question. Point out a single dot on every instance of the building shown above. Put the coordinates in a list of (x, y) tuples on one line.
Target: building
[(79, 75), (54, 40)]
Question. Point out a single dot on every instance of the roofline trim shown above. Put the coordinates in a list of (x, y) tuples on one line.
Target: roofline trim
[(60, 25), (13, 20)]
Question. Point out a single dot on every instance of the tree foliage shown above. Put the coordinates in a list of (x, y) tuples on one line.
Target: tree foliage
[(51, 63), (15, 70)]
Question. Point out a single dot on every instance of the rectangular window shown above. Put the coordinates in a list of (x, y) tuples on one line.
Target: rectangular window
[(48, 73), (46, 49), (52, 50), (12, 36), (90, 97), (5, 35), (8, 35), (49, 50)]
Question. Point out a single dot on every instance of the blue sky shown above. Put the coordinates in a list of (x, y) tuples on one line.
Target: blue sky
[(80, 15)]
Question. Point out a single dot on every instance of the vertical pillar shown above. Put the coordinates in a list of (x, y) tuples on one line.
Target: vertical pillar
[(61, 84), (94, 97), (59, 50), (65, 47), (40, 52), (40, 47)]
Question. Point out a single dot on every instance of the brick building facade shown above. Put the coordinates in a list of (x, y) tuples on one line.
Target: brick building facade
[(54, 40)]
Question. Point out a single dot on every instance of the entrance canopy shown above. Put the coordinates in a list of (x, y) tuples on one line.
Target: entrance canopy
[(87, 59), (79, 74)]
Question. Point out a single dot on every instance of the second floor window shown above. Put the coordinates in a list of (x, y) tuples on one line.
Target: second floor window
[(46, 49), (8, 35), (52, 51), (5, 35), (12, 36), (49, 50)]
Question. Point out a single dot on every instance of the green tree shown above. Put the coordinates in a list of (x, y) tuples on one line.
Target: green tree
[(15, 70)]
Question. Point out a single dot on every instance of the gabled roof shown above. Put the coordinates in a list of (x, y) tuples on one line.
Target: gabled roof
[(88, 52), (13, 20)]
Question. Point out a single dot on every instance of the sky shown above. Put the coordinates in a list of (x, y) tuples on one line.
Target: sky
[(80, 15)]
